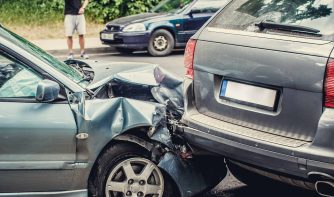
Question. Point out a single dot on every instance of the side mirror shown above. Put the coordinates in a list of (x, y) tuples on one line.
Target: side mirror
[(47, 91)]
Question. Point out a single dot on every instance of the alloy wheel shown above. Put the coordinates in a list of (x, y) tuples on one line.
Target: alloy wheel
[(160, 43), (135, 177)]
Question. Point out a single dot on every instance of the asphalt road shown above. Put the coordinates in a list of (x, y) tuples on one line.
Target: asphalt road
[(172, 63), (229, 187)]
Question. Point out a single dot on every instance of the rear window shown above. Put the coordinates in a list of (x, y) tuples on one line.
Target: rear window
[(244, 14)]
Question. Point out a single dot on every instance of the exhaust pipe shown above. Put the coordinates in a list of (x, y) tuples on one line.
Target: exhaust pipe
[(325, 188)]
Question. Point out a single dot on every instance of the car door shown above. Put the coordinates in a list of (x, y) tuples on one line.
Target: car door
[(37, 140), (198, 14)]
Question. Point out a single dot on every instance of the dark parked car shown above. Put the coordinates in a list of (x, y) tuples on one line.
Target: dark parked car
[(260, 91), (170, 24), (97, 128)]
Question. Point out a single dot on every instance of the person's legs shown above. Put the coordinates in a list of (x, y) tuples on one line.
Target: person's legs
[(70, 44), (82, 47), (81, 28), (82, 43), (69, 30)]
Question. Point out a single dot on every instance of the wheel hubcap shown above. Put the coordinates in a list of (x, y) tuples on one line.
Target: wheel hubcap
[(135, 177), (160, 43)]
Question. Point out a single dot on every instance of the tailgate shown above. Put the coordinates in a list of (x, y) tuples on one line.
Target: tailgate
[(271, 84)]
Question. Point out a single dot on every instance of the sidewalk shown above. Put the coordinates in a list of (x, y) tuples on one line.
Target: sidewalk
[(59, 46)]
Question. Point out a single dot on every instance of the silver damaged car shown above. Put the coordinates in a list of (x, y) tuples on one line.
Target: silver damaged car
[(93, 128)]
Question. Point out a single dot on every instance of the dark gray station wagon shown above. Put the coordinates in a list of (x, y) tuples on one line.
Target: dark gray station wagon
[(260, 91)]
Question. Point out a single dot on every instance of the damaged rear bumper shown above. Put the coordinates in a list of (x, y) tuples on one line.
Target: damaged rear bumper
[(291, 162)]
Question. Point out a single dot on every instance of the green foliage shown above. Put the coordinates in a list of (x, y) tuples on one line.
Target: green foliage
[(35, 12), (104, 10), (39, 12)]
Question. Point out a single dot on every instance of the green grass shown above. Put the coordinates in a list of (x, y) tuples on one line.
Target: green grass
[(50, 31), (29, 12), (39, 19)]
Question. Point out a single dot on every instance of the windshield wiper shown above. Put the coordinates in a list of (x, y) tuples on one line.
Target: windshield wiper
[(286, 27), (89, 92), (88, 79)]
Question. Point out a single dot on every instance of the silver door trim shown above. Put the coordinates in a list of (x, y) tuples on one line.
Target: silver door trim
[(73, 193), (36, 165)]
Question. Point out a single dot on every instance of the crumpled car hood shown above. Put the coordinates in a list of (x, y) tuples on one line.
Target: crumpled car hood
[(164, 86), (133, 72)]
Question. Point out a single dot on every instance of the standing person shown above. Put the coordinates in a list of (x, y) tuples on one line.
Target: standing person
[(75, 21)]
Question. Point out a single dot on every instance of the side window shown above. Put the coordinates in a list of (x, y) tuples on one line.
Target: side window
[(16, 80), (208, 6)]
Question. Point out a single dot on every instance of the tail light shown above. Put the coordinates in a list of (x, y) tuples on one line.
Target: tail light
[(329, 84), (189, 58)]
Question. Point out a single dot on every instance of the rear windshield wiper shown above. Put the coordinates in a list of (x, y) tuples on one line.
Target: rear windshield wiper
[(286, 27)]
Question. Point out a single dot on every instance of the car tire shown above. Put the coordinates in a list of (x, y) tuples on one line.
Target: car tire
[(111, 166), (161, 43), (250, 178), (124, 50)]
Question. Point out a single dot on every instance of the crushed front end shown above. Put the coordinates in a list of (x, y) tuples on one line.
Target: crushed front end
[(142, 104)]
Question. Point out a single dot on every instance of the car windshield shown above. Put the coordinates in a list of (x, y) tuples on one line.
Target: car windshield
[(294, 17), (171, 6), (65, 69)]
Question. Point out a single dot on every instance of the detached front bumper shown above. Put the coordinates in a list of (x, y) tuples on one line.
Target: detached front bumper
[(300, 161), (130, 40)]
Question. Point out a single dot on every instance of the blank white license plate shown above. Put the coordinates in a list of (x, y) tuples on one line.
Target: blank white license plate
[(248, 94), (107, 36)]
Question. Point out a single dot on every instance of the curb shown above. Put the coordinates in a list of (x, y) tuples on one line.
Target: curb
[(87, 50)]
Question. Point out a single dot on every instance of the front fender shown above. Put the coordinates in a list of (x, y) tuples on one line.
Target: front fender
[(110, 118), (163, 25)]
